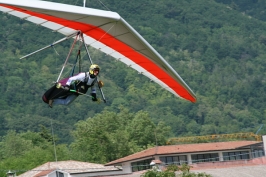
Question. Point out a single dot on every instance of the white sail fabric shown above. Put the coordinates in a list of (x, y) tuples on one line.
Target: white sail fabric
[(105, 31)]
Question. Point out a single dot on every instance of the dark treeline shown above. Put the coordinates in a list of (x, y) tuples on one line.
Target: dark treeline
[(217, 47)]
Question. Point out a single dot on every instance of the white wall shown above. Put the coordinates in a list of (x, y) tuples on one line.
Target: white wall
[(221, 157), (127, 167), (264, 143)]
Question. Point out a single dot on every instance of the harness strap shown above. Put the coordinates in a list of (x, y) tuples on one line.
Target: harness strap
[(78, 58), (86, 77)]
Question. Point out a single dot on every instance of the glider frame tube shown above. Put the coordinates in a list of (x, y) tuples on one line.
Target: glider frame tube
[(51, 45)]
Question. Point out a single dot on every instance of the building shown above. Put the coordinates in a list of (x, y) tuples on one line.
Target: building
[(161, 156), (71, 168), (191, 154)]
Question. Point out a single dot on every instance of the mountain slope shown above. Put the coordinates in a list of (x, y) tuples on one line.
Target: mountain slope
[(218, 51)]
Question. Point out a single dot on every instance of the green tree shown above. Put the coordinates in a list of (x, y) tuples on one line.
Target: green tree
[(12, 145), (109, 135), (170, 172)]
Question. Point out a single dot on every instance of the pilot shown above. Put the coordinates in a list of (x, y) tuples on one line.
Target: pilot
[(67, 90)]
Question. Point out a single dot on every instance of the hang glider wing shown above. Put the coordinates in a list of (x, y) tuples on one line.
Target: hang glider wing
[(105, 31)]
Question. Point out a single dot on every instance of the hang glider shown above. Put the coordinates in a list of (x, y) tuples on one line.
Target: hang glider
[(106, 31)]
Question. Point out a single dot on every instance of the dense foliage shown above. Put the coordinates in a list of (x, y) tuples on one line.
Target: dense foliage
[(217, 47), (105, 137)]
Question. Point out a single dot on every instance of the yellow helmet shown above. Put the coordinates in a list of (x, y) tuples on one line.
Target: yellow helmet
[(93, 68)]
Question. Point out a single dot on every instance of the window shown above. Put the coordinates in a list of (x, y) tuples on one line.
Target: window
[(232, 155), (239, 155), (245, 155), (169, 159), (174, 159), (258, 153), (59, 174), (141, 165), (225, 156), (204, 157)]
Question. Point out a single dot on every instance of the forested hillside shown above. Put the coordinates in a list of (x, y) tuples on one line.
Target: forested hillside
[(215, 47), (217, 50), (254, 8)]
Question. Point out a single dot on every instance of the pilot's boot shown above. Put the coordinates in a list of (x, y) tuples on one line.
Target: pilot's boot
[(51, 103)]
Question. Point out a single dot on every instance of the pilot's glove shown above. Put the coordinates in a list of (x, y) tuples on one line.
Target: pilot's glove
[(101, 84), (58, 85), (66, 88)]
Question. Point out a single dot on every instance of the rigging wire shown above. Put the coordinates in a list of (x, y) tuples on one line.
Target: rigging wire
[(55, 50), (99, 1), (103, 4)]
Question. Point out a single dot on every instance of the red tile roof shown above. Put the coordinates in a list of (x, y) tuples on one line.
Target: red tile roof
[(43, 173), (185, 148)]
